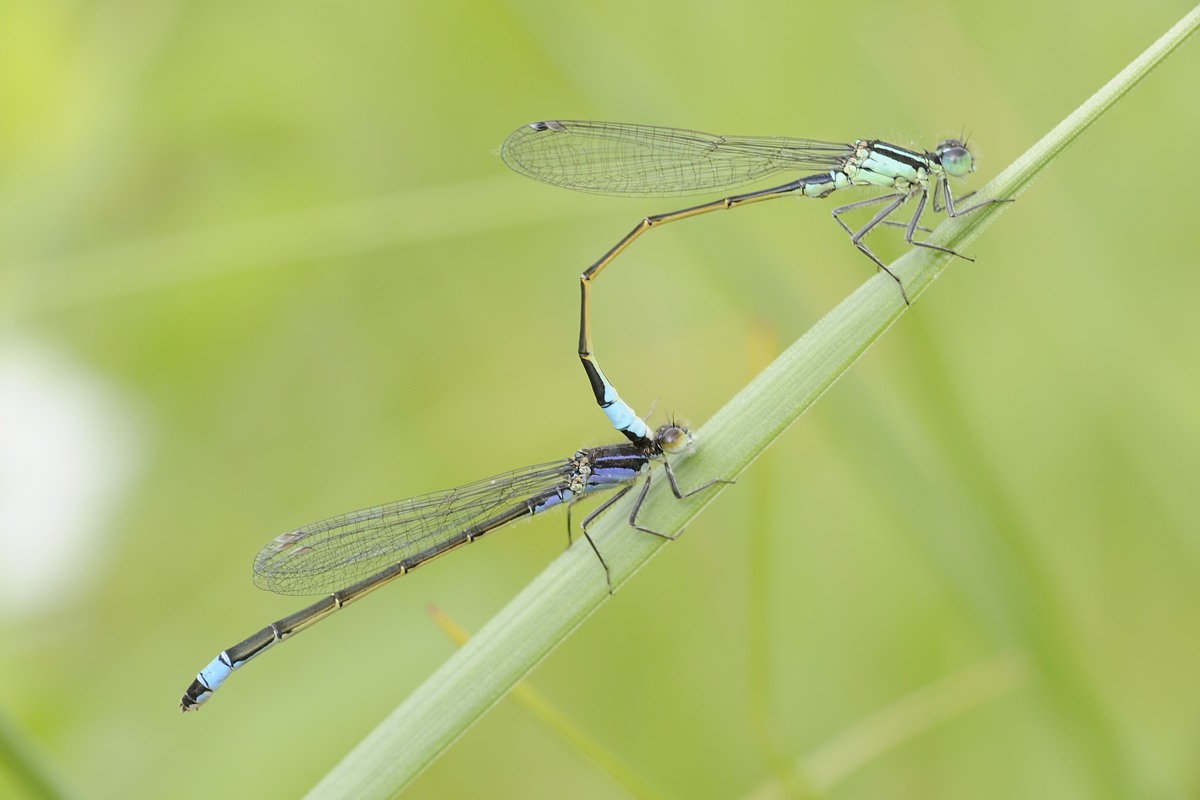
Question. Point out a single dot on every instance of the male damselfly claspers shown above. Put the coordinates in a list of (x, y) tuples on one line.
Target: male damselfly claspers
[(353, 554), (649, 161)]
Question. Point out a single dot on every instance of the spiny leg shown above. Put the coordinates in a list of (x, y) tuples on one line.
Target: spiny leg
[(583, 526), (680, 495), (856, 237), (870, 201), (912, 226), (675, 485), (619, 413), (938, 209), (952, 212), (633, 513), (904, 225), (570, 538), (637, 507)]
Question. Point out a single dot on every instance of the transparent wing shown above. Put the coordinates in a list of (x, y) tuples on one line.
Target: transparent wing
[(619, 158), (336, 552)]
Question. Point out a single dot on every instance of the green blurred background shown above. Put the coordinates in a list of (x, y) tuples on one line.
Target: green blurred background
[(260, 263)]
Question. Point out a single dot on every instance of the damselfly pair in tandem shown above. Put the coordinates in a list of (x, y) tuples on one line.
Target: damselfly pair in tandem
[(350, 555)]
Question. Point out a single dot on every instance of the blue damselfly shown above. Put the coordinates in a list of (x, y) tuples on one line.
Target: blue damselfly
[(353, 554)]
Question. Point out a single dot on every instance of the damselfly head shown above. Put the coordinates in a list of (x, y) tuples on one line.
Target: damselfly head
[(955, 158), (673, 439)]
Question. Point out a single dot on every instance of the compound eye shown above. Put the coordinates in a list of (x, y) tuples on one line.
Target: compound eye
[(956, 159), (673, 439)]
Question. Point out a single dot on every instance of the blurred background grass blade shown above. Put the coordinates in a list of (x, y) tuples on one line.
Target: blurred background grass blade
[(29, 772), (896, 725)]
